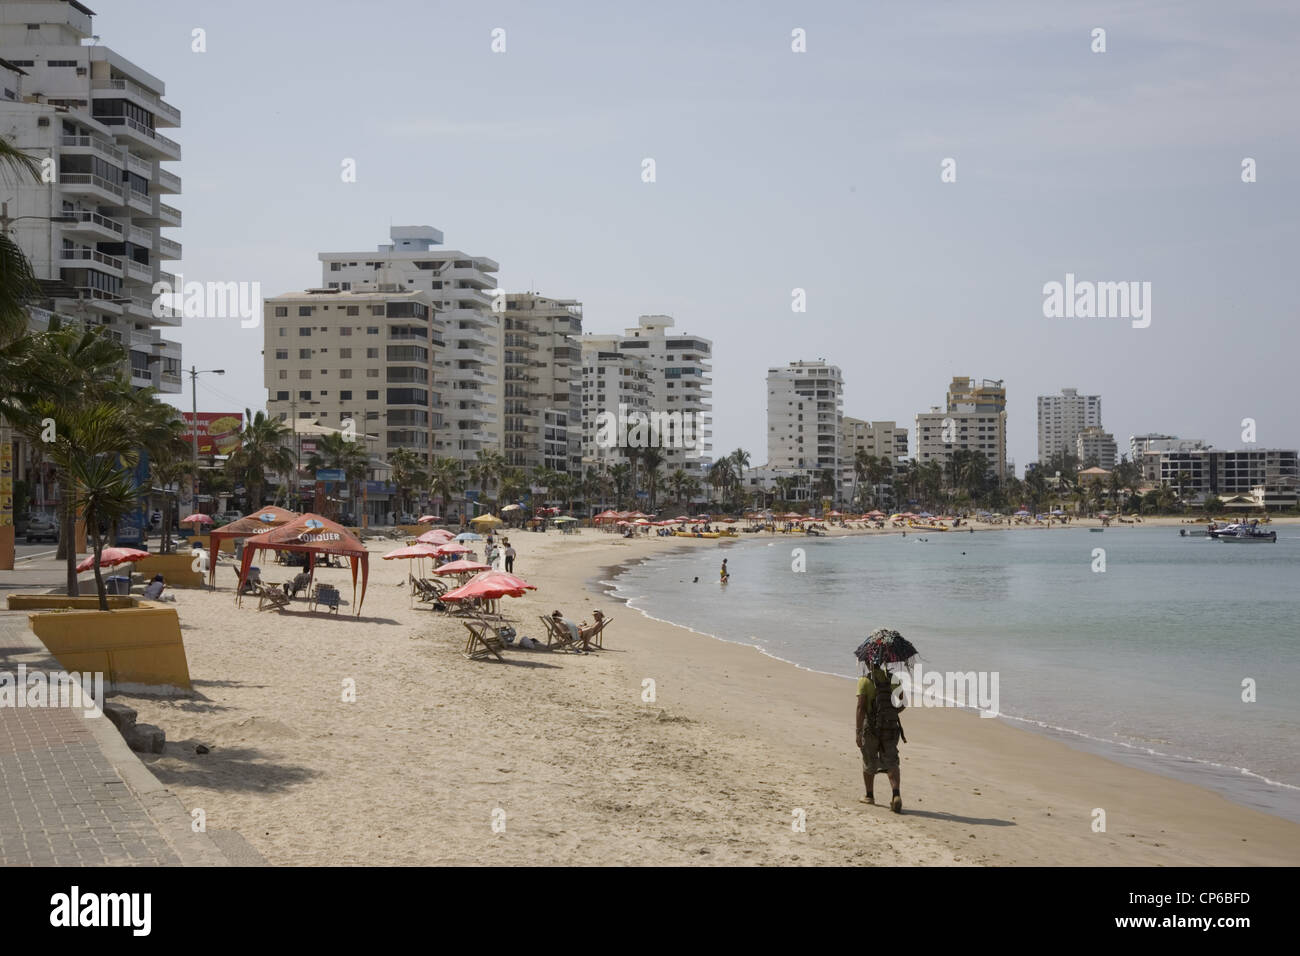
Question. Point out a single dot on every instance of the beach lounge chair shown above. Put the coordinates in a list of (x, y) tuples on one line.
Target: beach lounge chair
[(483, 640), (270, 597), (557, 635), (326, 594), (597, 636)]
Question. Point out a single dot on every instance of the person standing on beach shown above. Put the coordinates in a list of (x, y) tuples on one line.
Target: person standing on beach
[(510, 556), (878, 733)]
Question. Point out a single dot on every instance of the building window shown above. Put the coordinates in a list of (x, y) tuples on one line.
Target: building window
[(304, 397), (354, 310), (373, 395), (345, 353), (372, 353), (304, 310), (345, 396), (345, 330), (282, 354), (372, 373), (284, 373), (304, 330), (281, 311), (281, 396), (304, 373), (377, 310), (372, 330), (345, 373), (304, 353), (283, 331)]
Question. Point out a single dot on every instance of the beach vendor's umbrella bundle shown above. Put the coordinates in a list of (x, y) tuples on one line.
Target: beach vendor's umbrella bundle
[(312, 534), (436, 536), (884, 647), (111, 557), (259, 522)]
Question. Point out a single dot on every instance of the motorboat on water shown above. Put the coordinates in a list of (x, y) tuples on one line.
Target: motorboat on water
[(1246, 533)]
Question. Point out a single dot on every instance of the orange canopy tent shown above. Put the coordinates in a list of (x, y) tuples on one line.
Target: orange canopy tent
[(259, 522), (312, 534)]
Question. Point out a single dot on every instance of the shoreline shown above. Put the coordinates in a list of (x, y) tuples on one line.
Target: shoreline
[(587, 770)]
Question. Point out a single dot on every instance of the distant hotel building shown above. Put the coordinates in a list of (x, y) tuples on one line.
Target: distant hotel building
[(654, 370), (1145, 451), (1268, 475), (1094, 443), (804, 417), (542, 383), (1060, 420), (975, 419), (879, 439), (465, 330), (92, 118)]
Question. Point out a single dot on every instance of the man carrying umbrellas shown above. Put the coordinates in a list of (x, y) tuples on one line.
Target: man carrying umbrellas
[(877, 723)]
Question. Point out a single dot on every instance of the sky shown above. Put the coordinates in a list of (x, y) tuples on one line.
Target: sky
[(775, 171)]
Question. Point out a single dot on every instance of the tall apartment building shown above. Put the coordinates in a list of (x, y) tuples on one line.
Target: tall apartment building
[(1145, 450), (975, 419), (879, 439), (368, 356), (1061, 418), (1268, 475), (1092, 442), (92, 228), (805, 413), (675, 370), (542, 383), (467, 373)]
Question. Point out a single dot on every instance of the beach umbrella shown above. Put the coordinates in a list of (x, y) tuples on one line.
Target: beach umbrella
[(417, 550), (641, 521), (486, 586), (564, 519), (111, 557), (504, 577), (884, 647), (451, 548), (1022, 513), (486, 521), (512, 508), (436, 536), (426, 519), (469, 536), (461, 567), (196, 518)]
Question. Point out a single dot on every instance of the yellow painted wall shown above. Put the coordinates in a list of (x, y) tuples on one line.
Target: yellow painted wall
[(33, 602), (175, 569), (140, 645)]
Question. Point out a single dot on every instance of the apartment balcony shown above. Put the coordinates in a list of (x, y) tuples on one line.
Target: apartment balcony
[(96, 187), (168, 248), (148, 141), (469, 295), (164, 113), (475, 278), (168, 182), (139, 165), (95, 300), (138, 271), (168, 215), (86, 145), (470, 338), (140, 202), (80, 258), (95, 225)]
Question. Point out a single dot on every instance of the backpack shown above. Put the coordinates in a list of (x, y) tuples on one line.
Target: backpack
[(882, 715)]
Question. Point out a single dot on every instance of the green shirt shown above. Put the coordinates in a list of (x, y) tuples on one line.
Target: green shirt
[(867, 689)]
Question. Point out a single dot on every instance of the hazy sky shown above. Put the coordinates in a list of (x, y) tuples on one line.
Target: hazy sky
[(777, 170)]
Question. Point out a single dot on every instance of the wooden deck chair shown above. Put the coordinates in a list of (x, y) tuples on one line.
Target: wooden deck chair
[(326, 594), (270, 597), (597, 636), (483, 640), (558, 635)]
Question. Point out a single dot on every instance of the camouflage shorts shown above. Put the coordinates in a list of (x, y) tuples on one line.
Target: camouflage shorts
[(879, 754)]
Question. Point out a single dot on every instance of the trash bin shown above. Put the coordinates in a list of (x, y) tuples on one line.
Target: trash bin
[(117, 585)]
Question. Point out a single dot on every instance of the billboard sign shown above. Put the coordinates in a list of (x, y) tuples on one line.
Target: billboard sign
[(218, 431)]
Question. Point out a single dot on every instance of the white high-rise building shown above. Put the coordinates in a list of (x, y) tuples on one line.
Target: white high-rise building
[(975, 420), (1093, 442), (1061, 418), (805, 412), (92, 228), (542, 383), (669, 372), (466, 331)]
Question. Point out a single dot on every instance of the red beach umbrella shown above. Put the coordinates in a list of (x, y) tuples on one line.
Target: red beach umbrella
[(196, 518), (426, 519), (111, 557), (436, 536), (412, 551), (461, 567), (451, 548)]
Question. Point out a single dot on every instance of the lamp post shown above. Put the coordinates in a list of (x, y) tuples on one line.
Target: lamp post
[(195, 372), (297, 442)]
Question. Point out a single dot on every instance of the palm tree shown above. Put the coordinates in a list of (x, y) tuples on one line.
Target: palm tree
[(722, 475), (17, 281), (677, 482), (445, 479), (620, 475), (408, 474), (333, 450), (261, 449), (651, 459)]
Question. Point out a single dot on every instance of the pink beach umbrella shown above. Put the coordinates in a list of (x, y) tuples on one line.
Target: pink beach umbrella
[(412, 551), (436, 536), (111, 557), (462, 566), (196, 518), (451, 548), (426, 519)]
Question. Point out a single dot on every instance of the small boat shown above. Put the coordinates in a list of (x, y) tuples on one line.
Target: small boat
[(1248, 534), (1097, 530), (1194, 533)]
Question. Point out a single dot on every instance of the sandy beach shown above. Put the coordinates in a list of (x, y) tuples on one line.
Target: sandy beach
[(575, 768)]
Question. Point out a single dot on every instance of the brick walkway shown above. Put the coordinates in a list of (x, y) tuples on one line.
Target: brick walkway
[(72, 793)]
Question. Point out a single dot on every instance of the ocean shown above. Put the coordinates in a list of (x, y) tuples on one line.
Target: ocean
[(1146, 662)]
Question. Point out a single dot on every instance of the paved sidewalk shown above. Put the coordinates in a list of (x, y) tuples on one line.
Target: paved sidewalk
[(72, 793)]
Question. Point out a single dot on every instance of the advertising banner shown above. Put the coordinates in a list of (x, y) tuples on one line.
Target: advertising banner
[(218, 431)]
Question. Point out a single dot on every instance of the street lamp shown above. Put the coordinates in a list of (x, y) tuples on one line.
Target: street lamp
[(195, 372), (297, 442)]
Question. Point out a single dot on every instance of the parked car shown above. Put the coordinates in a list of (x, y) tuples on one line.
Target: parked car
[(42, 527)]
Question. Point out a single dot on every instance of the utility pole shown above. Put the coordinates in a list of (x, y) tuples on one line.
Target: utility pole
[(195, 372)]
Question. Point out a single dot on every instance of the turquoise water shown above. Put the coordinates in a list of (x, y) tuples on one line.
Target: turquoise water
[(1143, 663)]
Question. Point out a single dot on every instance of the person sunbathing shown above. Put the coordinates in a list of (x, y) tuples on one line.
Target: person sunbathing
[(579, 632)]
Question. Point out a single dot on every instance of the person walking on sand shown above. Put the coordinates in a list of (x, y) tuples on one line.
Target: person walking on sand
[(878, 733), (725, 575), (510, 556)]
